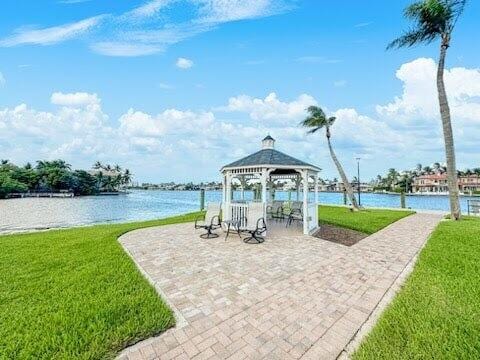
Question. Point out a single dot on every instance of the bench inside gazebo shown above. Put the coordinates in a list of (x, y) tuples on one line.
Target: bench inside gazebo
[(264, 168)]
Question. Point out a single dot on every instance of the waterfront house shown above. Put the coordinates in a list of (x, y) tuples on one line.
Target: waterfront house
[(437, 183), (469, 183)]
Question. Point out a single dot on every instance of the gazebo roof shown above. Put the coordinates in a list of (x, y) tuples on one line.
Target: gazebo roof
[(268, 156)]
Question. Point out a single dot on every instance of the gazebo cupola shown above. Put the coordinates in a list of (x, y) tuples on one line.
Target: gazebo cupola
[(268, 142), (265, 167)]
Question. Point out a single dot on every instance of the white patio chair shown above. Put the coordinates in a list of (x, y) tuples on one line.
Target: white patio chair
[(255, 224), (209, 222)]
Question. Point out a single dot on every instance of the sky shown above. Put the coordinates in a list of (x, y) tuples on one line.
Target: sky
[(175, 89)]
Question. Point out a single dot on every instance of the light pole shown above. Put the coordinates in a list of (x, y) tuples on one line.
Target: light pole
[(358, 181)]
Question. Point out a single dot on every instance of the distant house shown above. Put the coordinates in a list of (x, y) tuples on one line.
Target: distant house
[(437, 183), (469, 183), (338, 186), (430, 183)]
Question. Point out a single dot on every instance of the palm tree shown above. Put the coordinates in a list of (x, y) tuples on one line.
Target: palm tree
[(98, 165), (418, 169), (427, 170), (317, 120), (127, 177), (436, 19)]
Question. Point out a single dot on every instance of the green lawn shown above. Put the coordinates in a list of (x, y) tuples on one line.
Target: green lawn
[(75, 294), (437, 313), (368, 221)]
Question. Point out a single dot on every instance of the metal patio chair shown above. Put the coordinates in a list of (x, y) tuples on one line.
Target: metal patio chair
[(211, 221)]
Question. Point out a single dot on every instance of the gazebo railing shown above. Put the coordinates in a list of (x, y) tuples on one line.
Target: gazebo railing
[(239, 212)]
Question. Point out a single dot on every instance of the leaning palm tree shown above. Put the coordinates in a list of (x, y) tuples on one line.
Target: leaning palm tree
[(317, 120), (436, 19)]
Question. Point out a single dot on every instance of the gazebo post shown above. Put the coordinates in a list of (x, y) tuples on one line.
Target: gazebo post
[(264, 185), (297, 186), (305, 201), (224, 184), (228, 196)]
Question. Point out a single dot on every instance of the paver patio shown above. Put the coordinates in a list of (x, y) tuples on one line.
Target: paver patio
[(292, 297)]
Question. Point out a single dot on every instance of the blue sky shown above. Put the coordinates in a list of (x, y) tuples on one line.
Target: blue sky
[(175, 89)]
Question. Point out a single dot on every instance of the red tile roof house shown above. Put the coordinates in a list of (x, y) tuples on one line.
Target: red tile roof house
[(437, 183)]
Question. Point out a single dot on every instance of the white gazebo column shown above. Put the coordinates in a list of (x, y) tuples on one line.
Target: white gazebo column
[(263, 180), (305, 201), (298, 181), (228, 196), (224, 190)]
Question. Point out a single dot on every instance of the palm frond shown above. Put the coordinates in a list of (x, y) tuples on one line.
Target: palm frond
[(457, 6), (314, 130), (432, 19), (412, 38), (331, 121)]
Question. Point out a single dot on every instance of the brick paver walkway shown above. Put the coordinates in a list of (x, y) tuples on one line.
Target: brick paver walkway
[(287, 298)]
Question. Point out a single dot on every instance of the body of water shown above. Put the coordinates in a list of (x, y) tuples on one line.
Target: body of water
[(32, 213)]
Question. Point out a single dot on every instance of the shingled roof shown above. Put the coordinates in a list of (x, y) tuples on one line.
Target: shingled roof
[(269, 157)]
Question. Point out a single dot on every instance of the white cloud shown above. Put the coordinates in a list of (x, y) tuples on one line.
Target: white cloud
[(74, 99), (51, 35), (218, 11), (171, 121), (81, 130), (125, 49), (148, 9), (2, 80), (365, 134), (192, 144), (146, 29), (418, 104), (183, 63), (271, 108)]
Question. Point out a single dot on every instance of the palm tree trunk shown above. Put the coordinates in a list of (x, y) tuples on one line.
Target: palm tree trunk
[(448, 136), (345, 181)]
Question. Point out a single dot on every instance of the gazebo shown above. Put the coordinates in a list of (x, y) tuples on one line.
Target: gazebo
[(267, 166)]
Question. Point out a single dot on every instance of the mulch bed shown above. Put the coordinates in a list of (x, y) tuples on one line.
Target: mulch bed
[(339, 235)]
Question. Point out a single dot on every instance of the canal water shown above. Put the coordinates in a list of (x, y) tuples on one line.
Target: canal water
[(44, 213)]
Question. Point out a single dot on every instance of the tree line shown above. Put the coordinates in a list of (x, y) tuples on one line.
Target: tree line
[(57, 176)]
